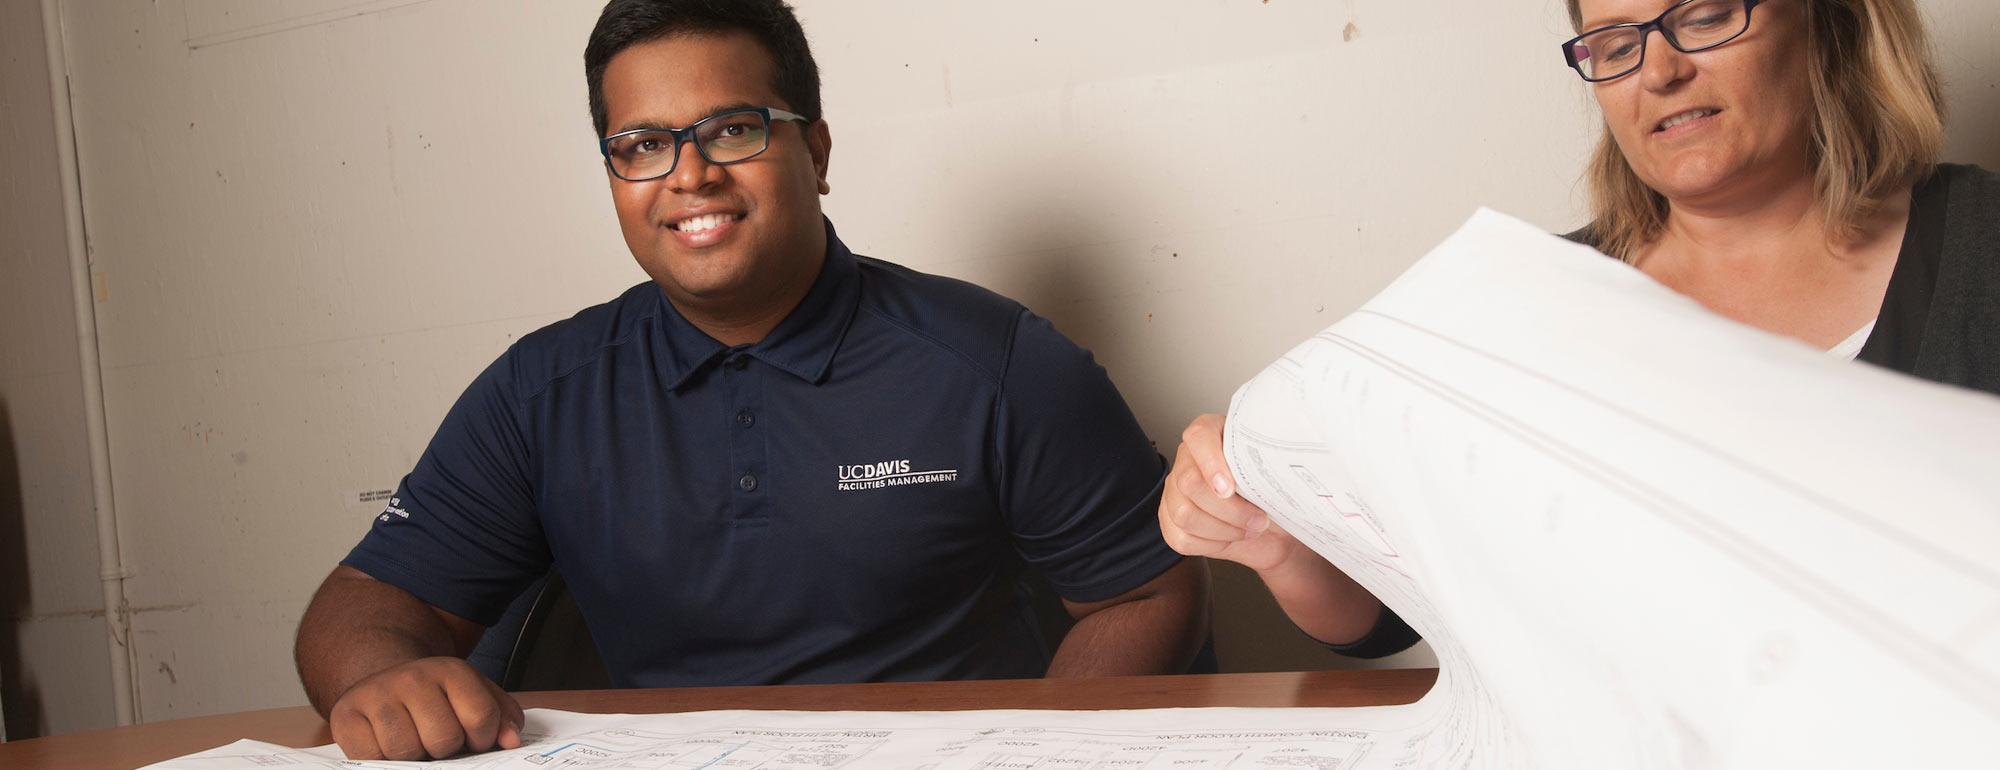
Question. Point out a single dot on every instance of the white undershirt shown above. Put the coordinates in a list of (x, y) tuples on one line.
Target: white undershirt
[(1851, 347)]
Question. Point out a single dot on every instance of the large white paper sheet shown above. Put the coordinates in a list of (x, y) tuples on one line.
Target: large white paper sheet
[(1637, 536), (795, 740)]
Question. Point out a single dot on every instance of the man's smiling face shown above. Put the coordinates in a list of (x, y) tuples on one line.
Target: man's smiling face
[(708, 234)]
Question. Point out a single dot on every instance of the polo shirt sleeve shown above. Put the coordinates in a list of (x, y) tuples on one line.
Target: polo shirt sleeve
[(462, 533), (1078, 481), (1390, 635)]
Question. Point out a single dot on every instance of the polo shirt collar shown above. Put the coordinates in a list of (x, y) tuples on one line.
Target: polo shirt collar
[(802, 344)]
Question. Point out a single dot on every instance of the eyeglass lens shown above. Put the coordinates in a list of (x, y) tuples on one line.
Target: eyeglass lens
[(724, 138), (1699, 25)]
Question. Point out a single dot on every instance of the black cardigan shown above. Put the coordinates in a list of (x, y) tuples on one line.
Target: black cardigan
[(1940, 319)]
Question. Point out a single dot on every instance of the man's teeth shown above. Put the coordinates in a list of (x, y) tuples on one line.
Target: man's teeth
[(1684, 117), (704, 222)]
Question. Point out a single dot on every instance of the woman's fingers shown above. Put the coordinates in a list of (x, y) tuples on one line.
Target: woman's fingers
[(1202, 442)]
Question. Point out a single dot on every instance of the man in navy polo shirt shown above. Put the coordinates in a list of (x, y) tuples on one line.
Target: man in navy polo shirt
[(775, 462)]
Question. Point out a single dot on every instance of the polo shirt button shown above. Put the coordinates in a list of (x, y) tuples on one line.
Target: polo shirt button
[(748, 483), (745, 418), (739, 363)]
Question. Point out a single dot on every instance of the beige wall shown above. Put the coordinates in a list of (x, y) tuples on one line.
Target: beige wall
[(54, 675), (318, 219)]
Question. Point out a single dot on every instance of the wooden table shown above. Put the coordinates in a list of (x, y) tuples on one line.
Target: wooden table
[(130, 747)]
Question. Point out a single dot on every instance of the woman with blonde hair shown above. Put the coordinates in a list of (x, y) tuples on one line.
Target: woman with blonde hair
[(1775, 160)]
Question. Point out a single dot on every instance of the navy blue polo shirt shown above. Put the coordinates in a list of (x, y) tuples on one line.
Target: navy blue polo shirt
[(850, 499)]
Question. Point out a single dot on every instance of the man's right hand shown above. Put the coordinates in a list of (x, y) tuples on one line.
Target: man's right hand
[(1201, 514), (430, 708)]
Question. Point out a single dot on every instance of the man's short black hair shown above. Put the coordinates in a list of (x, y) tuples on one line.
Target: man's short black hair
[(625, 23)]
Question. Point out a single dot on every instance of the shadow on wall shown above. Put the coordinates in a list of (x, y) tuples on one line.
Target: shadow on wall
[(1057, 270), (1982, 120), (1067, 270), (1066, 267), (23, 717)]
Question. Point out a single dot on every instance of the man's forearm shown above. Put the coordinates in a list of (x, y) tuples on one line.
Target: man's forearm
[(355, 627), (1154, 630)]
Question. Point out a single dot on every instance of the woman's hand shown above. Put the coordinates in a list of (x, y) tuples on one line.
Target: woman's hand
[(1201, 515)]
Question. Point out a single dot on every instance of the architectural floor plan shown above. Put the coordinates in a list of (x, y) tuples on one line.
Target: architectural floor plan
[(1244, 739)]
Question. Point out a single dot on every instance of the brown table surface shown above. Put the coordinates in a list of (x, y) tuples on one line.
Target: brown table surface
[(130, 747)]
